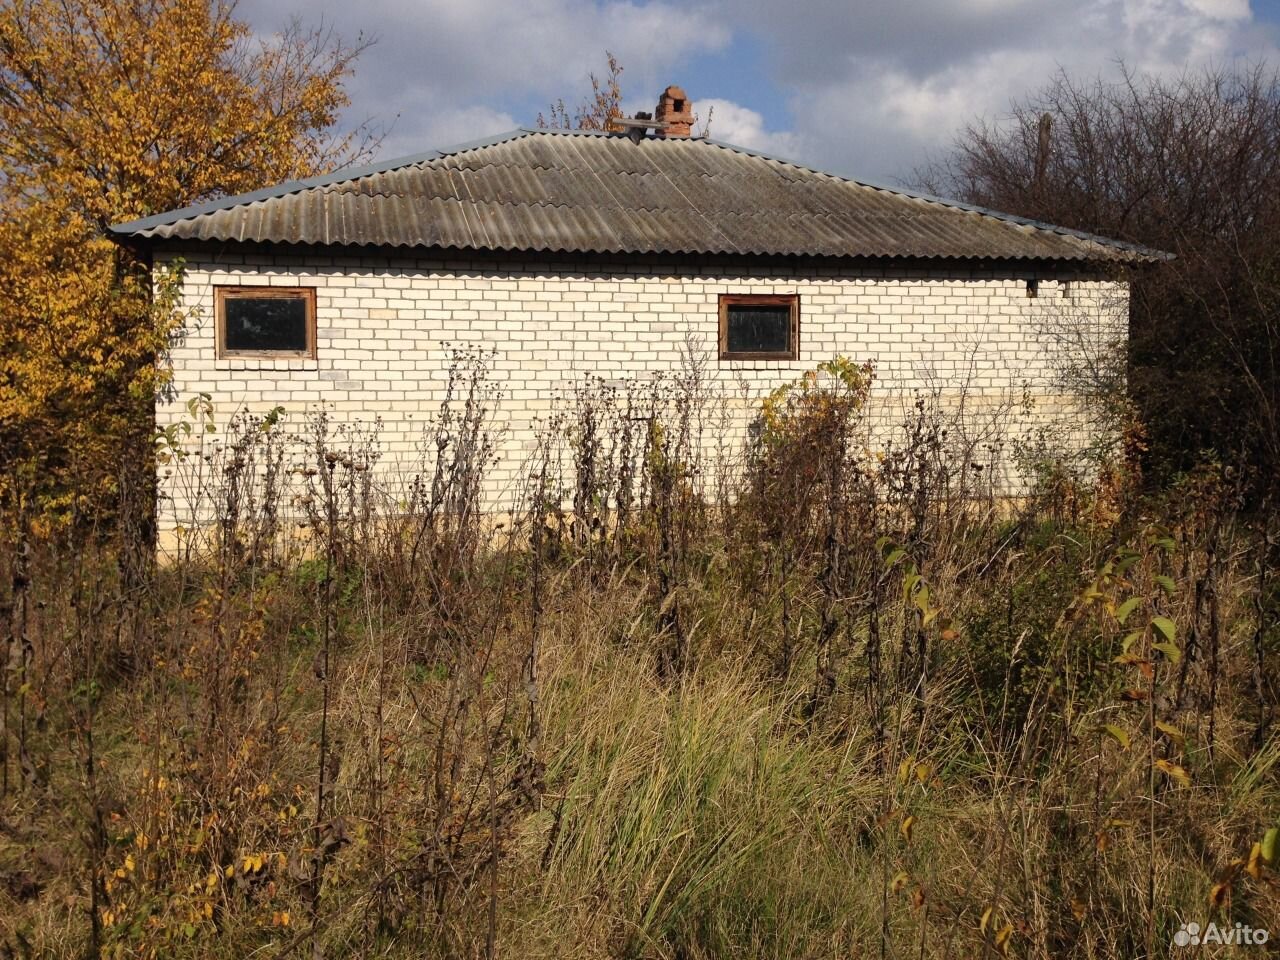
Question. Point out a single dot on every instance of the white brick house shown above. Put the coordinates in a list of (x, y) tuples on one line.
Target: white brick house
[(570, 254)]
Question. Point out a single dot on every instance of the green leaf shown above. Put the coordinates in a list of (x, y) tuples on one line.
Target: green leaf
[(1127, 561), (1119, 735), (1126, 608), (1169, 650), (894, 556), (1167, 585), (1129, 640), (1166, 627), (1271, 844)]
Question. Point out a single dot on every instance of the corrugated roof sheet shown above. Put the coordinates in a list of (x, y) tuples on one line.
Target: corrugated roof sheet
[(544, 190)]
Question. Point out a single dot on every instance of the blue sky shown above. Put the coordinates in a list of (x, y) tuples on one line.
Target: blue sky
[(859, 88)]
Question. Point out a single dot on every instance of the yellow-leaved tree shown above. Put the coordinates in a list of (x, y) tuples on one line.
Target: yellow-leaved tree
[(111, 110)]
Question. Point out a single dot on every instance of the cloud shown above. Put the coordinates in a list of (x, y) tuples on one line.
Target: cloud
[(872, 95), (864, 89), (1223, 9), (437, 66), (444, 128), (819, 40), (733, 123)]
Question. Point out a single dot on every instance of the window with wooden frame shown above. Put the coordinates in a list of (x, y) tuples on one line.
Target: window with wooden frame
[(759, 326), (277, 322)]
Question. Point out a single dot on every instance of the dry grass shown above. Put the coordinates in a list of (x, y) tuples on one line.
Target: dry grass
[(863, 711)]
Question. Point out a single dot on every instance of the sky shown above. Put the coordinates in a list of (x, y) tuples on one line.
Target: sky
[(863, 89)]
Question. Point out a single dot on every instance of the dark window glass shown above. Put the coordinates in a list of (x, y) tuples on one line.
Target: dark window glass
[(260, 324), (758, 329)]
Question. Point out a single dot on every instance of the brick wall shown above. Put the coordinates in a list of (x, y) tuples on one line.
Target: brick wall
[(968, 335)]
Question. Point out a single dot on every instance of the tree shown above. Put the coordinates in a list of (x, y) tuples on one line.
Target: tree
[(1189, 165), (596, 112), (111, 110)]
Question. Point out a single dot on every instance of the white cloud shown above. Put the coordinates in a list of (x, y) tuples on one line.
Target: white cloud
[(733, 123), (1223, 9), (869, 90), (437, 65), (444, 128), (877, 113)]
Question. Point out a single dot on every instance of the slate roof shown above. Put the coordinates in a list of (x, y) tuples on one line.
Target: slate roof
[(588, 192)]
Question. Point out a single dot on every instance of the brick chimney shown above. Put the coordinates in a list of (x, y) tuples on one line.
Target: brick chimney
[(675, 109)]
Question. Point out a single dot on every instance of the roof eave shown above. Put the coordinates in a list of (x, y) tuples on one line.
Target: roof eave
[(1107, 258)]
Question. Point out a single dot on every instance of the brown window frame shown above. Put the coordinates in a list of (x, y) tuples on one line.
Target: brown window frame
[(791, 300), (306, 294)]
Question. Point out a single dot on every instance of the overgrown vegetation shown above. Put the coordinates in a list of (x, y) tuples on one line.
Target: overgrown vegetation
[(1188, 165), (852, 705), (112, 110)]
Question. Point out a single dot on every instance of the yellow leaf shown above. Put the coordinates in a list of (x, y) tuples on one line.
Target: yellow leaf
[(1254, 867), (1172, 732), (906, 828), (1003, 938), (1220, 895), (1173, 771), (1120, 736)]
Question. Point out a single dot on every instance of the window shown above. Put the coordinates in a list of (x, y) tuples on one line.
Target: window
[(759, 327), (266, 321)]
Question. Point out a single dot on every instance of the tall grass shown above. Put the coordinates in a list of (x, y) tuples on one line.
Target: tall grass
[(853, 705)]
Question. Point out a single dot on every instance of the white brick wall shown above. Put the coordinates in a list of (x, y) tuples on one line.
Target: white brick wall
[(381, 323)]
